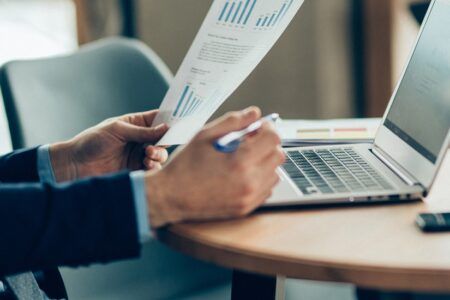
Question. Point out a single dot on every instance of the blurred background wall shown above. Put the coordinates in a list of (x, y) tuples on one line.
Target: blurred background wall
[(338, 58), (306, 75)]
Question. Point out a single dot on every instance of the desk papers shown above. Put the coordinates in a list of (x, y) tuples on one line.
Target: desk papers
[(233, 39), (338, 131)]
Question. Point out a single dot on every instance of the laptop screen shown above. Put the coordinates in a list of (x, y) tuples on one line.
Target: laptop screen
[(420, 112)]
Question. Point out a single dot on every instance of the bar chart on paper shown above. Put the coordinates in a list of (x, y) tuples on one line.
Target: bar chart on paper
[(188, 104), (236, 12), (271, 19), (225, 51)]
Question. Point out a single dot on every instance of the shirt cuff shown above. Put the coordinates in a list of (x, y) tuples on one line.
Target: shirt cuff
[(140, 203), (46, 175), (44, 165)]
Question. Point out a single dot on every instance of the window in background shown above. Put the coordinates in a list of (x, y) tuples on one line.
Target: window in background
[(33, 29)]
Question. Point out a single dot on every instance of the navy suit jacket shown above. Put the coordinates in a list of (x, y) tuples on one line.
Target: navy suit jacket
[(44, 226)]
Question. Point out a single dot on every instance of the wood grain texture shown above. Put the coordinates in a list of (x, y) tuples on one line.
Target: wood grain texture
[(373, 247)]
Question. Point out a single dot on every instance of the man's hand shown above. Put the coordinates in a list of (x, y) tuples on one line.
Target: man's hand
[(200, 183), (113, 145)]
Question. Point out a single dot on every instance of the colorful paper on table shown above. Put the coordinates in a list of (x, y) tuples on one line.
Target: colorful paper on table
[(233, 39), (338, 129)]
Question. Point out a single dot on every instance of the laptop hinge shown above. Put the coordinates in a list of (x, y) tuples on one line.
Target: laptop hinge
[(403, 175)]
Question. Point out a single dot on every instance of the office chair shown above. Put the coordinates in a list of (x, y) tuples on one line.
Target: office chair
[(49, 100)]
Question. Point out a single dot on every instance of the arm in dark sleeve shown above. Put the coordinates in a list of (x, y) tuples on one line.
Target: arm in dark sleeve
[(19, 166), (44, 226)]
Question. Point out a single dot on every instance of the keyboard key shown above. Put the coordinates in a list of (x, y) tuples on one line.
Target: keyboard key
[(332, 171)]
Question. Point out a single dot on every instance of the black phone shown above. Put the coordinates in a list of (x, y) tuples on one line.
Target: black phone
[(433, 222)]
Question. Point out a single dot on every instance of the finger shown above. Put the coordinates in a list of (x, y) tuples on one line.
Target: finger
[(142, 118), (266, 184), (272, 160), (258, 146), (267, 189), (231, 122), (152, 165), (139, 134), (265, 198), (149, 116), (257, 202), (266, 175), (267, 131), (158, 154)]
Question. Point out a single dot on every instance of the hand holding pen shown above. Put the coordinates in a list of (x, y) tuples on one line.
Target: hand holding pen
[(231, 142)]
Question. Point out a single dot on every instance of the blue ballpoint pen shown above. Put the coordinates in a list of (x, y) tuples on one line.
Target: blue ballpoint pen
[(230, 142)]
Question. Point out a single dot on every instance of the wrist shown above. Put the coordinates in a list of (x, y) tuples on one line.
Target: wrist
[(161, 210), (62, 162)]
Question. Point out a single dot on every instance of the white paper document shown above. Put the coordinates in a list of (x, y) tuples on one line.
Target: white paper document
[(232, 41)]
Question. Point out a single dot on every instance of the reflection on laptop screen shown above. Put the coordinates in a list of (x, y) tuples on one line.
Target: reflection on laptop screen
[(420, 113)]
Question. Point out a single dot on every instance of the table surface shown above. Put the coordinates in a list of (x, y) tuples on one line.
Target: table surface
[(372, 246)]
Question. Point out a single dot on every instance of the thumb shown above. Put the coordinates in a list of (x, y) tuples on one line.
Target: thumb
[(233, 121), (140, 134)]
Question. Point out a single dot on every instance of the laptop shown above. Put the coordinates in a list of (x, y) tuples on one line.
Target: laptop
[(409, 147)]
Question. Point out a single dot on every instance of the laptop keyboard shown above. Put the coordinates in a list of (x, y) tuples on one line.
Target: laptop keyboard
[(332, 171)]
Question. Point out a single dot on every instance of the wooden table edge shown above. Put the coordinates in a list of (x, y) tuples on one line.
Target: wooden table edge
[(365, 276)]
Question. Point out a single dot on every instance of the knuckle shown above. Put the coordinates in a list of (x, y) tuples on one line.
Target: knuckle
[(130, 118), (275, 137), (276, 180), (243, 207), (270, 127), (248, 188), (272, 137), (232, 114), (234, 118), (281, 156), (202, 134), (115, 125), (150, 150), (265, 127)]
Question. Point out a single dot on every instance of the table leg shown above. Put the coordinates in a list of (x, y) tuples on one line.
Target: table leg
[(254, 286)]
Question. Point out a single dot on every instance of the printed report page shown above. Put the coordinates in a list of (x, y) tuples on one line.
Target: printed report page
[(233, 39)]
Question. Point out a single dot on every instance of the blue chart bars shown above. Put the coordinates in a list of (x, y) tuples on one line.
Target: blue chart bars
[(273, 18), (188, 103), (237, 12)]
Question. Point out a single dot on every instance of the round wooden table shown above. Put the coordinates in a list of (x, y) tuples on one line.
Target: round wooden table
[(374, 247)]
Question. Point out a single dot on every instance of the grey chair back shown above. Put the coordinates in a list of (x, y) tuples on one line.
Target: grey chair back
[(53, 99)]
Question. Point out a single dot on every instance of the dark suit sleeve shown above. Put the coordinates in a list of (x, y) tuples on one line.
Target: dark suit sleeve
[(44, 226), (19, 166)]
